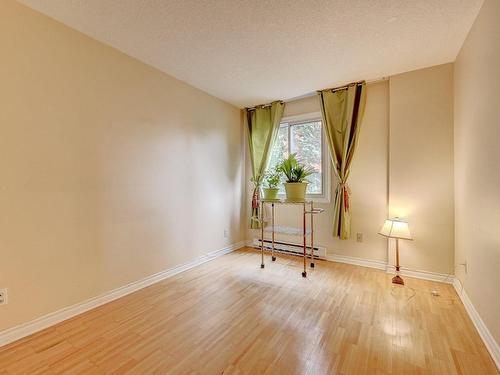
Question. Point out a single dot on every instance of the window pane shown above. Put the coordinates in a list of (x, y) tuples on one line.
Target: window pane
[(305, 141), (279, 151)]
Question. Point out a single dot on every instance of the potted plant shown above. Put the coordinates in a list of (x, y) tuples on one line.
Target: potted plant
[(272, 179), (296, 174)]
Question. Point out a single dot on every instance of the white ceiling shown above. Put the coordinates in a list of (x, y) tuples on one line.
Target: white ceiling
[(248, 52)]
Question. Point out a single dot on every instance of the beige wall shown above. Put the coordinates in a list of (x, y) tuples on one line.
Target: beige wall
[(477, 169), (421, 166), (368, 182), (110, 170)]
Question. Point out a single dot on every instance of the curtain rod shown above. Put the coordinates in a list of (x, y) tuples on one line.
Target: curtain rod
[(358, 83), (314, 93), (263, 105)]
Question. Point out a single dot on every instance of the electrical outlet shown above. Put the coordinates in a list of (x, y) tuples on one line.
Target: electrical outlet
[(465, 266), (359, 237), (226, 233), (3, 296)]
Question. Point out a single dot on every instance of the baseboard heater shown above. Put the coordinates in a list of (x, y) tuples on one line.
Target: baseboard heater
[(290, 248)]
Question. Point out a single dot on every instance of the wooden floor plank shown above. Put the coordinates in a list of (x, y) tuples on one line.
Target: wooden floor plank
[(229, 316)]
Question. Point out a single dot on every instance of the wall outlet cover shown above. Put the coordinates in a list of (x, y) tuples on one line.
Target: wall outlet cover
[(359, 237), (3, 296)]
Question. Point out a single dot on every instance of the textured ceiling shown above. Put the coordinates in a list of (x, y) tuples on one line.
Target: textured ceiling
[(250, 52)]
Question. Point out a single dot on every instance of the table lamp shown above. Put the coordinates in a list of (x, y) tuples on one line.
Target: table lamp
[(398, 229)]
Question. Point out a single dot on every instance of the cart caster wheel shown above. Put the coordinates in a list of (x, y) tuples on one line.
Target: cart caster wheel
[(312, 265), (262, 266), (304, 274), (273, 258)]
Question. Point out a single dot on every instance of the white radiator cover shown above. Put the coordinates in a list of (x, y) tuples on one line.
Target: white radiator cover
[(291, 248)]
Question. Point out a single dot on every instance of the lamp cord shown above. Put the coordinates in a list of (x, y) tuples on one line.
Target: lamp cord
[(445, 280)]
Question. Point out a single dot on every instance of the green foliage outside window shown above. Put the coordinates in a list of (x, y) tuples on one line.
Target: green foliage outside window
[(305, 141)]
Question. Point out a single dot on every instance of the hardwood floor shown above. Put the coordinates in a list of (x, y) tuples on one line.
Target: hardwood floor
[(229, 316)]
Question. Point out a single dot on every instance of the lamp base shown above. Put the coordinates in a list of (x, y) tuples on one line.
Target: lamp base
[(398, 280)]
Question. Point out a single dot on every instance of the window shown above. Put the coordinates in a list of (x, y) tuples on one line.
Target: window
[(303, 135)]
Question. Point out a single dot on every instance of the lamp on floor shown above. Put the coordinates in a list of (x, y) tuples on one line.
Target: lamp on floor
[(398, 229)]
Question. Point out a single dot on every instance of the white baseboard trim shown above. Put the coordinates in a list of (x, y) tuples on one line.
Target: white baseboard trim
[(26, 329), (378, 264), (382, 265), (485, 334), (425, 275)]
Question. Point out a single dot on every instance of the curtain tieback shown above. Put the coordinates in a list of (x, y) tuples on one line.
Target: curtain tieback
[(256, 197), (346, 192)]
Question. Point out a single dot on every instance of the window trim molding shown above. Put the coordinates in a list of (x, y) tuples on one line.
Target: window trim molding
[(325, 161), (310, 116)]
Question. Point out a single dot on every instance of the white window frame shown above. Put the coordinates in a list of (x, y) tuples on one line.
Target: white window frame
[(325, 160)]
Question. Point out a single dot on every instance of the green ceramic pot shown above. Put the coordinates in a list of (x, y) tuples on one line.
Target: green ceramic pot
[(296, 191), (270, 193)]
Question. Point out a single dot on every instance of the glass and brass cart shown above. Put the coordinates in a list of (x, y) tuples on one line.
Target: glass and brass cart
[(307, 209)]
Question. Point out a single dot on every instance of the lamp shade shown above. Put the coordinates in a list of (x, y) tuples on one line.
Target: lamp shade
[(396, 228)]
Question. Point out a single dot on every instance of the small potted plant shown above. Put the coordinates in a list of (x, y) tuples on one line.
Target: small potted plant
[(272, 179), (296, 174)]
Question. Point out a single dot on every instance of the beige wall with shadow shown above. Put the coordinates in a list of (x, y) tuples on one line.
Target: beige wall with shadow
[(477, 166), (421, 166), (111, 170)]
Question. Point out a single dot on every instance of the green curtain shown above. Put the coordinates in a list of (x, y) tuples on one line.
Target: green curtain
[(342, 110), (263, 124)]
